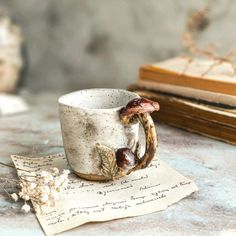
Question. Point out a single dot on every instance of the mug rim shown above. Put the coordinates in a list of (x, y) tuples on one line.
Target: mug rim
[(63, 103)]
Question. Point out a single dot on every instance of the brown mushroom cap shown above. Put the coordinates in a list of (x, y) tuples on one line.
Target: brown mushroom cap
[(140, 105), (125, 158)]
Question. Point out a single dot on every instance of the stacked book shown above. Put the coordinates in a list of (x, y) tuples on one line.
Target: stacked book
[(193, 95)]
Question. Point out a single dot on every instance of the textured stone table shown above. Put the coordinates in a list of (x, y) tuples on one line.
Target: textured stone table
[(211, 164)]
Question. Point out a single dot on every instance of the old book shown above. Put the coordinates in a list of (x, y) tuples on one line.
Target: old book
[(200, 126), (178, 72), (218, 98), (206, 119)]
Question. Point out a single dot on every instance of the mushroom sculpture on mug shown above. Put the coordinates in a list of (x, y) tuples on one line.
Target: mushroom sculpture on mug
[(115, 164)]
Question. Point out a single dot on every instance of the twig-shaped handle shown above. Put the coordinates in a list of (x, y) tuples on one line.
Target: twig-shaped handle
[(140, 108)]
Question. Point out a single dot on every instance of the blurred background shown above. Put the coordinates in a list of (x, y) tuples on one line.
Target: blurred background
[(74, 44)]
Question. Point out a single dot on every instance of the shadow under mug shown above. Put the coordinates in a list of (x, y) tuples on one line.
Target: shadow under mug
[(100, 132)]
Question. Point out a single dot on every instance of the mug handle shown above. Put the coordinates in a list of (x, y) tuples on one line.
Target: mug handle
[(140, 109)]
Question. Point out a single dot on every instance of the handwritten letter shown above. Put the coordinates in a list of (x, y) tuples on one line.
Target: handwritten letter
[(142, 192)]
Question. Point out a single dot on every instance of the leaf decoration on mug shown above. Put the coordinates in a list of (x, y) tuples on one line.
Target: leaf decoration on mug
[(109, 166)]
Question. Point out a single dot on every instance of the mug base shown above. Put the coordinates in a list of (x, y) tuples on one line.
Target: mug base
[(91, 177)]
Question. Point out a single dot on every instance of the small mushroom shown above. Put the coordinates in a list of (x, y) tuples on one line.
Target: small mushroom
[(125, 158), (138, 109), (138, 106)]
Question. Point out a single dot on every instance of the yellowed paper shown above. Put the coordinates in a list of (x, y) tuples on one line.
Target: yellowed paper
[(142, 192), (197, 67), (189, 92)]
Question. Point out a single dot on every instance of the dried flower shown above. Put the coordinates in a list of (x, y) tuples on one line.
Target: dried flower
[(33, 185), (21, 194), (37, 208), (197, 22), (15, 197), (43, 188), (55, 194), (44, 173), (55, 171), (26, 197), (66, 172), (44, 198), (25, 208)]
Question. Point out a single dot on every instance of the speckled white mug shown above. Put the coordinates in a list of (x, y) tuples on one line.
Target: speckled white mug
[(89, 117)]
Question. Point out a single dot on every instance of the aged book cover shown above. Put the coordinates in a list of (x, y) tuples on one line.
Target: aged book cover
[(179, 72)]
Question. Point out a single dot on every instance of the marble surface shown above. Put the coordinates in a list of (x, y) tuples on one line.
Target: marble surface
[(211, 164)]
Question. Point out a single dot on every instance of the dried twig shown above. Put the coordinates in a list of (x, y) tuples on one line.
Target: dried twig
[(8, 165), (197, 22)]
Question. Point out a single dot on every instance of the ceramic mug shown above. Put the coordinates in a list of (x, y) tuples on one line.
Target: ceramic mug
[(100, 132)]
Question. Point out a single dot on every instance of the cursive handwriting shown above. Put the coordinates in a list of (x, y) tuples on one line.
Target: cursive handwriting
[(82, 201)]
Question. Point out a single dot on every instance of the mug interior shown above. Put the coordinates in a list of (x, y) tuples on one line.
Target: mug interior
[(98, 98)]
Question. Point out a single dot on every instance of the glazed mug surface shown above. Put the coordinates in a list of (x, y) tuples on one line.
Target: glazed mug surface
[(100, 132)]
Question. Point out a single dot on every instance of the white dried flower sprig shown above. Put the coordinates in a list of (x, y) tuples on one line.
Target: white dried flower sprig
[(42, 188), (14, 196)]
